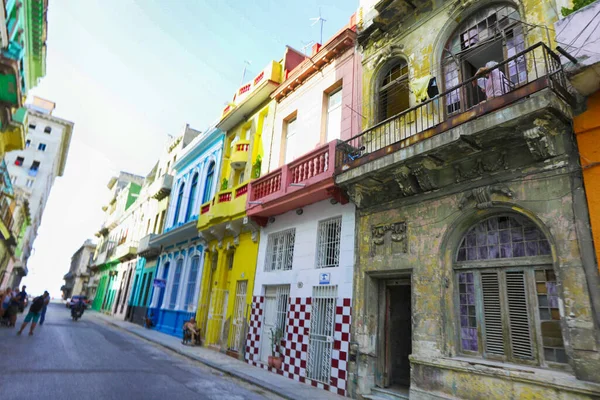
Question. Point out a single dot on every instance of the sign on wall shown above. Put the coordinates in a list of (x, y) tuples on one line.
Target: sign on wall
[(324, 278)]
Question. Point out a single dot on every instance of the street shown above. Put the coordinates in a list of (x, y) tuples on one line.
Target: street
[(90, 360)]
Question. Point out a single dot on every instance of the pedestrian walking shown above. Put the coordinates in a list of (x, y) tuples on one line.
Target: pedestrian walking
[(46, 302), (35, 311), (17, 303), (5, 297)]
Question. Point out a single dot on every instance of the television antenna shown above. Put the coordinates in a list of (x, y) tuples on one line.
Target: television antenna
[(320, 20), (246, 64), (306, 45)]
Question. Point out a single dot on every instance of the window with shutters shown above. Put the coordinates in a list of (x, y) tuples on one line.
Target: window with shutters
[(507, 294)]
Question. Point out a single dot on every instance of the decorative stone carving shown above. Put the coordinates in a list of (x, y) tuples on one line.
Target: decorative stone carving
[(425, 177), (254, 236), (483, 196), (540, 140), (387, 52), (481, 166), (406, 184), (397, 234), (356, 195), (462, 4)]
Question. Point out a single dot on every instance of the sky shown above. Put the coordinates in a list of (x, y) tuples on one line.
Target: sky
[(129, 73)]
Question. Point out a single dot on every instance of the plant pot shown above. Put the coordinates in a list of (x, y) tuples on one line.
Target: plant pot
[(277, 361), (270, 361)]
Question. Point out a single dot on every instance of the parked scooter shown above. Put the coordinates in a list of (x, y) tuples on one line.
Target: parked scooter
[(77, 311)]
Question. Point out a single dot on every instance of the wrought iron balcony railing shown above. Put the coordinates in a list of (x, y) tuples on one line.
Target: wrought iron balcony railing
[(530, 71)]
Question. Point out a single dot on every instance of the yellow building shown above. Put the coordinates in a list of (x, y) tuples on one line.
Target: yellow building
[(231, 237)]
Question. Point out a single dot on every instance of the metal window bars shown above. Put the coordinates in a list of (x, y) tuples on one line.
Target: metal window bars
[(283, 295), (320, 341), (280, 250), (237, 322), (544, 70), (328, 243)]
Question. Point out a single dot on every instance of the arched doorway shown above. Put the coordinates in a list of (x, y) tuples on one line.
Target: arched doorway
[(506, 294), (491, 34)]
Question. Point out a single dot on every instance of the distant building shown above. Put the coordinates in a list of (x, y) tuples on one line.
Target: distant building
[(77, 279), (34, 169)]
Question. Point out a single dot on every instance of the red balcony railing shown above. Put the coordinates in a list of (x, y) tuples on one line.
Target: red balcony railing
[(266, 185), (304, 171), (242, 147), (519, 76), (205, 208), (224, 197), (242, 190)]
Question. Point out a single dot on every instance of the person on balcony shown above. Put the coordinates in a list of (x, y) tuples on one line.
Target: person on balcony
[(496, 83)]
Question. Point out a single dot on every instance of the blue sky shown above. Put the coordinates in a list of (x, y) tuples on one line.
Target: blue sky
[(129, 73)]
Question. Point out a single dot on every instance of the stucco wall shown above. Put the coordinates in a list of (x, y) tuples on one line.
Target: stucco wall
[(309, 102), (305, 250), (434, 228), (587, 129)]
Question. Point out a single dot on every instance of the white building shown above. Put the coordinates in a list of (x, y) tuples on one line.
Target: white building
[(76, 280), (34, 169)]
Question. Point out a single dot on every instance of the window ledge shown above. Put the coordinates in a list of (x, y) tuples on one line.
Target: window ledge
[(559, 380)]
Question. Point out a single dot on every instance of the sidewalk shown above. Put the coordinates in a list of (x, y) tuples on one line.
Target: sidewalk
[(281, 386)]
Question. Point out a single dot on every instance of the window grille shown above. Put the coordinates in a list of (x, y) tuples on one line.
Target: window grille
[(175, 287), (283, 296), (191, 285), (321, 333), (328, 243), (280, 250), (547, 296), (502, 237), (237, 325)]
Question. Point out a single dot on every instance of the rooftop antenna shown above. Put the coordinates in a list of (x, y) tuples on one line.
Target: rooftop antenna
[(246, 64), (306, 45), (320, 20)]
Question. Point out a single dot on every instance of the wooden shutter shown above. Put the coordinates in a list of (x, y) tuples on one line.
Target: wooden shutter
[(520, 333), (492, 310)]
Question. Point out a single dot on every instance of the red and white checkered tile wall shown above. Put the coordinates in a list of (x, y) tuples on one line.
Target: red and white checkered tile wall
[(296, 342)]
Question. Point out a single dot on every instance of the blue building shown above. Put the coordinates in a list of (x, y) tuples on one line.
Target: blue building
[(180, 263)]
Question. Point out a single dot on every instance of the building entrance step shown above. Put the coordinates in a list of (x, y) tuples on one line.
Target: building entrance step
[(391, 393)]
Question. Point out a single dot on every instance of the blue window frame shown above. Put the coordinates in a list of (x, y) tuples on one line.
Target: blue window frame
[(192, 197), (178, 205), (210, 174), (176, 281)]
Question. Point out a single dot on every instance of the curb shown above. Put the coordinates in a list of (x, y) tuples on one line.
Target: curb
[(243, 377)]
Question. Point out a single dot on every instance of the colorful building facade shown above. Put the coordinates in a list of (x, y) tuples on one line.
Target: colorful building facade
[(304, 274), (472, 265), (231, 238), (180, 264)]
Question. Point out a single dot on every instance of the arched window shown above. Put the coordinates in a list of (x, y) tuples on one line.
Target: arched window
[(210, 175), (178, 204), (507, 293), (192, 197), (191, 283), (393, 94), (493, 33), (176, 282)]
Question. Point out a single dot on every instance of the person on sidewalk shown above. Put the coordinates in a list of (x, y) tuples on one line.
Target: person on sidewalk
[(46, 302), (190, 332), (33, 316)]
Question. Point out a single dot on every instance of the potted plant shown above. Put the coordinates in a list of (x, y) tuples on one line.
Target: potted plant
[(275, 359), (256, 167), (224, 184)]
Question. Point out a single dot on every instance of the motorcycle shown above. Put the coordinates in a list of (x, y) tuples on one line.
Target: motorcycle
[(76, 312)]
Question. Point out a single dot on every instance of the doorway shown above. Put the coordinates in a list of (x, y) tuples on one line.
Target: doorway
[(398, 333)]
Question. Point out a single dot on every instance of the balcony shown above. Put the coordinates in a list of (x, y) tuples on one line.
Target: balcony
[(250, 95), (127, 250), (457, 136), (147, 250), (226, 205), (304, 181), (10, 82), (161, 188), (239, 155)]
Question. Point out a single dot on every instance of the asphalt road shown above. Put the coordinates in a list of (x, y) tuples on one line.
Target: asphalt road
[(90, 360)]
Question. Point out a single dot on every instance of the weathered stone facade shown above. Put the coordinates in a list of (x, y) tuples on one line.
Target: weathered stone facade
[(419, 197)]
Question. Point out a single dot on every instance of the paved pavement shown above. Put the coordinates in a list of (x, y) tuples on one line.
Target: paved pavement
[(267, 381), (90, 359)]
